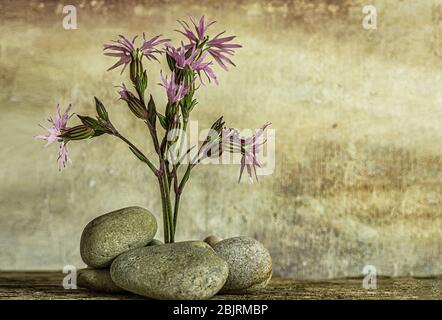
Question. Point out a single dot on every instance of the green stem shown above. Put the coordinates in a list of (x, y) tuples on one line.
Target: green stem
[(164, 189), (183, 136), (163, 179), (168, 207), (175, 210), (130, 144), (178, 193), (165, 218), (162, 174), (175, 177)]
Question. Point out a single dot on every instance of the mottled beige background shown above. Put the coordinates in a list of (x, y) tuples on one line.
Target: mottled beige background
[(357, 113)]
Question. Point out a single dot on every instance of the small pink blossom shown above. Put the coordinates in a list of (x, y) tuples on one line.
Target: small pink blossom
[(204, 67), (218, 47), (63, 156), (200, 29), (58, 126), (175, 92), (123, 92), (123, 48), (179, 56), (149, 46), (185, 58)]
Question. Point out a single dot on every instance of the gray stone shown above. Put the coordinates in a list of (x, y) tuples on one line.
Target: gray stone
[(182, 270), (114, 233), (250, 264), (97, 280), (155, 242), (212, 240)]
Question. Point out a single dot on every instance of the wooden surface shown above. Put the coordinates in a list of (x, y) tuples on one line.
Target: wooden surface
[(48, 285)]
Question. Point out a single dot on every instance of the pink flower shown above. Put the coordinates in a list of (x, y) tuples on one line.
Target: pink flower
[(248, 147), (179, 56), (63, 156), (200, 29), (123, 48), (175, 92), (149, 46), (185, 58), (123, 92), (58, 126), (204, 67), (219, 48)]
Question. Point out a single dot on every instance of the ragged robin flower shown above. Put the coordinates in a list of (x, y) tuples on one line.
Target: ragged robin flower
[(60, 132), (123, 48), (175, 92), (58, 126), (218, 47), (192, 59)]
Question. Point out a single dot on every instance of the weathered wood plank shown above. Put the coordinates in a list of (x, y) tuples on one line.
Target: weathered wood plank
[(48, 285)]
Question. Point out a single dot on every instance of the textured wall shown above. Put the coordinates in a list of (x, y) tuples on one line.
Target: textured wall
[(358, 126)]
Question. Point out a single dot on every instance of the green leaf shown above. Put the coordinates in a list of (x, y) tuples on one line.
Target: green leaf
[(192, 105), (184, 110), (138, 155), (163, 120), (151, 105), (101, 110), (143, 82), (151, 111)]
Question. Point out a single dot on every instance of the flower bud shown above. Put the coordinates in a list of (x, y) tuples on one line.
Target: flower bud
[(171, 112), (137, 107), (174, 130)]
